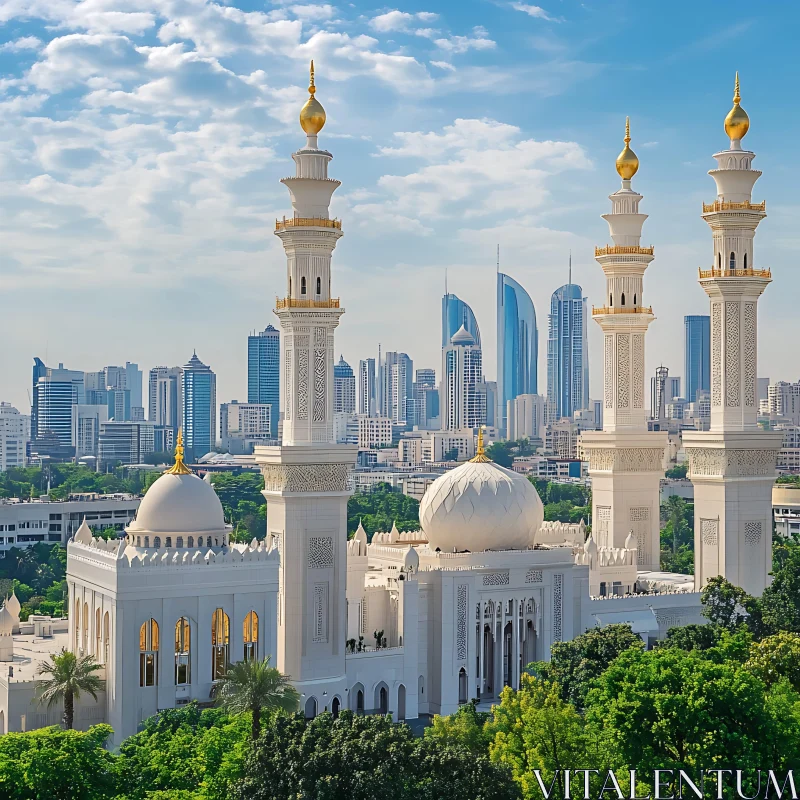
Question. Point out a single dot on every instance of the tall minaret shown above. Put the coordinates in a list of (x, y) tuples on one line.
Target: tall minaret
[(306, 479), (732, 466), (625, 460)]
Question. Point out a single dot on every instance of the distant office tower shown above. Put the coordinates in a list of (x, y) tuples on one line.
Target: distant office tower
[(165, 404), (39, 371), (488, 390), (426, 400), (58, 389), (762, 388), (14, 437), (344, 388), (86, 422), (263, 372), (455, 313), (244, 425), (517, 345), (697, 355), (199, 390), (462, 404), (397, 385), (525, 414), (784, 400), (125, 442), (367, 389), (567, 352)]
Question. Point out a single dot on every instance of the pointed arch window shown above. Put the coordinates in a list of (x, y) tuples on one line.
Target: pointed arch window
[(250, 636), (623, 299), (634, 299), (220, 641), (611, 299), (303, 285), (719, 260), (157, 542), (148, 653), (319, 285), (733, 262), (183, 640), (745, 262)]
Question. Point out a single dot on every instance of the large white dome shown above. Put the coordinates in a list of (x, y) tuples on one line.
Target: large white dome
[(179, 503), (481, 506)]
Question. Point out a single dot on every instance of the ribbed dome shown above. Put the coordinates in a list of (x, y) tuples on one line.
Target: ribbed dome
[(179, 504), (481, 506)]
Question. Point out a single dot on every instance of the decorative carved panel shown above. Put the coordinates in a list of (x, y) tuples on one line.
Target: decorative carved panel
[(306, 478), (750, 354), (287, 382), (496, 579), (713, 462), (623, 369), (461, 623), (533, 576), (637, 357), (716, 354), (608, 386), (320, 552), (302, 384), (752, 533), (625, 459), (640, 513), (732, 343), (320, 611), (709, 531), (319, 386), (558, 602)]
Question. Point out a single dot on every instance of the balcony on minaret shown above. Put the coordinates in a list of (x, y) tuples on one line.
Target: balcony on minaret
[(307, 222)]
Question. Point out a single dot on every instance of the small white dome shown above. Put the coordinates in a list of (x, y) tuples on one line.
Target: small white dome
[(481, 506), (411, 559), (179, 504)]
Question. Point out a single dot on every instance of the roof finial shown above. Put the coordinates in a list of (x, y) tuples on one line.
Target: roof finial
[(737, 123), (736, 96), (312, 115), (627, 130), (480, 453), (311, 88), (627, 162), (179, 468)]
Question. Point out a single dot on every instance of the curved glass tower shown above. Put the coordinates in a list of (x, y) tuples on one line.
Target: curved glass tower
[(455, 313), (517, 344), (567, 353)]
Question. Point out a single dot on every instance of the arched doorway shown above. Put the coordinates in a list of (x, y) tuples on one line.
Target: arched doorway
[(311, 708), (401, 702), (357, 698), (508, 638), (335, 706), (462, 686), (488, 659), (529, 648), (382, 698)]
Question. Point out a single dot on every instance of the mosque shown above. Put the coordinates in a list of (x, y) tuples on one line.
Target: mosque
[(420, 622)]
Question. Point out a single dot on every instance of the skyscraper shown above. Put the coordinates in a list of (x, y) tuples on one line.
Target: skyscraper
[(199, 389), (462, 404), (57, 390), (425, 404), (39, 370), (697, 354), (367, 388), (396, 384), (517, 345), (455, 313), (344, 388), (567, 353), (263, 372)]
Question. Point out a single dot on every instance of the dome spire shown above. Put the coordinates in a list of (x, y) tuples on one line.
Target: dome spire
[(312, 115), (737, 123), (480, 454), (627, 161), (179, 468)]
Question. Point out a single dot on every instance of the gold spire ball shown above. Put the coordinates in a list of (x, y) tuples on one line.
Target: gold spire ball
[(179, 468), (312, 114), (737, 123), (627, 160)]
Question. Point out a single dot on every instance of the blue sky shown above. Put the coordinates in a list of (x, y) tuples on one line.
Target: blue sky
[(142, 141)]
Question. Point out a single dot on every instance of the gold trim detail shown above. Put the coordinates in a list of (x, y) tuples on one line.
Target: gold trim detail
[(179, 468), (307, 222), (598, 310), (480, 454), (623, 250), (293, 302), (735, 273), (721, 205)]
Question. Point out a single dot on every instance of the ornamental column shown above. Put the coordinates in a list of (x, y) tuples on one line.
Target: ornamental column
[(306, 479), (732, 465), (625, 459)]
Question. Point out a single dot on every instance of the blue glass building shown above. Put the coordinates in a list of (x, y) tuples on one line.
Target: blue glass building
[(567, 353), (517, 345), (697, 355), (263, 372), (455, 313), (199, 407)]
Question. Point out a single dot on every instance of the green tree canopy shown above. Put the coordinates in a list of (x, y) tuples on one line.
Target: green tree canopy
[(380, 509), (467, 728), (64, 678), (776, 657)]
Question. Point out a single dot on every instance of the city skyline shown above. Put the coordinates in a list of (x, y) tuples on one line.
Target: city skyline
[(69, 147)]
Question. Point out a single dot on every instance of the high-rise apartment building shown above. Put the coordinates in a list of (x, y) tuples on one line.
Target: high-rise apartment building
[(39, 371), (242, 426), (367, 387), (567, 353), (263, 372), (14, 437), (462, 405), (517, 346), (397, 385), (455, 313), (525, 415), (199, 390), (697, 354), (125, 442), (426, 400), (86, 422), (57, 390), (344, 388), (165, 402)]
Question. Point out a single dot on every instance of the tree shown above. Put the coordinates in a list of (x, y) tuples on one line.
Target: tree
[(254, 686), (574, 665), (69, 676), (780, 602), (678, 471), (59, 764), (380, 509), (723, 603), (535, 729), (450, 455), (501, 453), (693, 637), (776, 657), (676, 513), (466, 728)]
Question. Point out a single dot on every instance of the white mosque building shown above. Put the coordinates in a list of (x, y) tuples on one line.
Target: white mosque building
[(421, 622)]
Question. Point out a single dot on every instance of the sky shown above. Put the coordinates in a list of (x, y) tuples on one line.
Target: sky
[(142, 143)]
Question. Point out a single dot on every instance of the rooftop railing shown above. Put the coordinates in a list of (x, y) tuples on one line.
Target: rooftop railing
[(623, 250), (596, 310), (307, 222), (293, 302), (734, 273), (722, 205)]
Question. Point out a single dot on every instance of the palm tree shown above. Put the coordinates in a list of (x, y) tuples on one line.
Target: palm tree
[(255, 686), (69, 676), (676, 511)]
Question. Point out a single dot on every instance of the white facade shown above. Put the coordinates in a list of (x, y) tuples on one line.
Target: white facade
[(462, 404), (374, 432), (242, 426), (526, 417), (15, 433)]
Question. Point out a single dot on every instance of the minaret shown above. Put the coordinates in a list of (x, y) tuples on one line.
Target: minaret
[(732, 465), (306, 479), (625, 460)]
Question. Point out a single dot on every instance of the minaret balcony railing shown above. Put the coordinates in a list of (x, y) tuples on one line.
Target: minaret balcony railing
[(623, 250), (721, 205), (307, 222), (734, 273), (600, 310), (295, 302)]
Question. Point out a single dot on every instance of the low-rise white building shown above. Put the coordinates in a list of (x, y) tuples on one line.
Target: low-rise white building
[(15, 433)]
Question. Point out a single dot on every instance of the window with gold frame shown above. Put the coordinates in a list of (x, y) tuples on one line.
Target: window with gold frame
[(220, 641), (250, 636), (148, 653), (183, 641)]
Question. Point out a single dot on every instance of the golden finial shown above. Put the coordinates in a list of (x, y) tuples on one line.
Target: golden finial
[(737, 123), (179, 468), (480, 454), (312, 115), (627, 161)]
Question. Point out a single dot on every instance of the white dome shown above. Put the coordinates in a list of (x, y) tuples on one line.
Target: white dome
[(179, 504), (481, 506)]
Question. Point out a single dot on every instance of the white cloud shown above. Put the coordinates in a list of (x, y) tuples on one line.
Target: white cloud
[(19, 45), (400, 21), (316, 13), (461, 44), (443, 65), (534, 11)]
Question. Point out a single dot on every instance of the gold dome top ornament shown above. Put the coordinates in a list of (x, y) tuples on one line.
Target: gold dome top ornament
[(480, 454), (179, 468), (627, 161), (737, 123), (312, 114)]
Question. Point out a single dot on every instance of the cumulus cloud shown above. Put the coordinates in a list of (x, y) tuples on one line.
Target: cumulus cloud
[(534, 11), (19, 45), (401, 21), (460, 44)]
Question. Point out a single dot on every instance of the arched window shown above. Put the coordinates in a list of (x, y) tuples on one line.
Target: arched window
[(157, 542), (250, 636), (733, 262), (169, 541), (220, 639), (360, 701), (462, 686), (183, 639), (97, 633), (634, 299), (138, 541), (719, 260), (179, 542), (383, 701), (745, 262), (147, 541), (335, 707), (623, 298), (208, 541), (77, 623), (191, 541), (319, 285), (401, 703), (85, 629), (311, 708), (148, 653), (611, 299), (106, 636), (303, 285)]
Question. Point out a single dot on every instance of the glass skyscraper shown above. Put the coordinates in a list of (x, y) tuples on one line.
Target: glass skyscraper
[(455, 313), (199, 407), (567, 353), (697, 355), (263, 372), (517, 345)]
